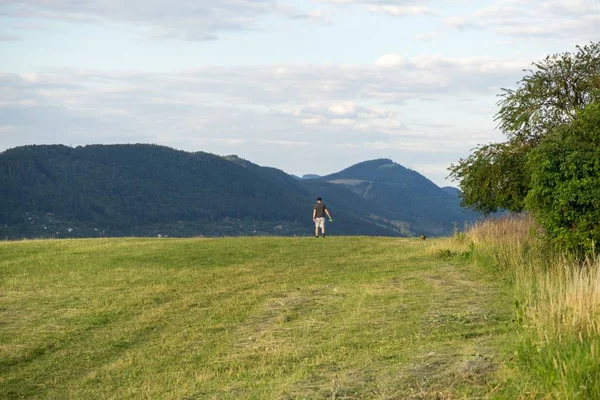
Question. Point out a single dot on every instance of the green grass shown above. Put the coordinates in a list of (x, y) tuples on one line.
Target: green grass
[(248, 318)]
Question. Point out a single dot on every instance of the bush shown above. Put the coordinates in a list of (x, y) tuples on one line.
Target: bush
[(565, 186)]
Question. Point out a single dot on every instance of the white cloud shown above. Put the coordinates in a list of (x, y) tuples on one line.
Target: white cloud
[(174, 19), (288, 143), (391, 60), (566, 19), (435, 71), (343, 121), (311, 121), (231, 141), (346, 108), (212, 99), (394, 8), (401, 11), (427, 35), (318, 16), (460, 23)]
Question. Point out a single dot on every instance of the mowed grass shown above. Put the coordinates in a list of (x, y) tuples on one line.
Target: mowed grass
[(248, 318)]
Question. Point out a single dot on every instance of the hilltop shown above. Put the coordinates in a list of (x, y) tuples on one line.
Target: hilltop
[(402, 197)]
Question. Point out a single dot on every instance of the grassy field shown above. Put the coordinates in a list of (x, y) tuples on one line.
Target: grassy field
[(249, 318)]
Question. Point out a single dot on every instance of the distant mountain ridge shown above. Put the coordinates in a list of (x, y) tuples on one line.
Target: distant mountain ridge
[(149, 190), (403, 197)]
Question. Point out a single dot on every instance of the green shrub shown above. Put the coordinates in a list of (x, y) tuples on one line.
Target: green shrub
[(565, 187)]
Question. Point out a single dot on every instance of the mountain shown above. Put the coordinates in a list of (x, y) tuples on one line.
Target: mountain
[(149, 190), (401, 197), (311, 176), (452, 191)]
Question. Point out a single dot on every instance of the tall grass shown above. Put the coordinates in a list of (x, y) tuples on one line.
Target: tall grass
[(557, 302)]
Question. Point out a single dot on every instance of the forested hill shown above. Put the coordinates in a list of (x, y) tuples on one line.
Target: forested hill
[(149, 190), (403, 196)]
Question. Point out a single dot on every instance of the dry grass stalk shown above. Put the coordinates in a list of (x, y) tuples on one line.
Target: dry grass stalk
[(562, 296)]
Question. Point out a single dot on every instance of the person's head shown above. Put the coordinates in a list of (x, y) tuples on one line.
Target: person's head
[(319, 200)]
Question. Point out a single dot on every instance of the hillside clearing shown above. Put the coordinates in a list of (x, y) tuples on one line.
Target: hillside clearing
[(262, 318)]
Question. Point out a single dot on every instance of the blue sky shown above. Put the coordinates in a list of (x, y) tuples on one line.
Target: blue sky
[(307, 86)]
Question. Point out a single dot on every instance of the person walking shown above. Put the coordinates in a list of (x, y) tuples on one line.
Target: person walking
[(319, 212)]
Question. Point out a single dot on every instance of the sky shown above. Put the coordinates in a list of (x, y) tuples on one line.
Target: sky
[(306, 86)]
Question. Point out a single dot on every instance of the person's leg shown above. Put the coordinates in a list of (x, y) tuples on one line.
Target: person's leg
[(323, 227)]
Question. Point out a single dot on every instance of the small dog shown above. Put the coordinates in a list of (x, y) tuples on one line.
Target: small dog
[(423, 237)]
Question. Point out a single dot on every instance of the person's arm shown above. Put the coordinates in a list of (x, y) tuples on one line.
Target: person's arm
[(314, 214), (327, 212)]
